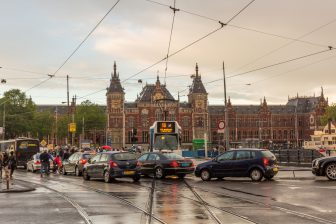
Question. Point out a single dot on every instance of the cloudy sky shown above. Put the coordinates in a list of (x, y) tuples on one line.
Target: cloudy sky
[(37, 36)]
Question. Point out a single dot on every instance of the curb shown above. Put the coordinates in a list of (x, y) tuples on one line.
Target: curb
[(23, 189)]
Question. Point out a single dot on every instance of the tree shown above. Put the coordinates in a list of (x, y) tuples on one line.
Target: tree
[(19, 113), (329, 115), (94, 117)]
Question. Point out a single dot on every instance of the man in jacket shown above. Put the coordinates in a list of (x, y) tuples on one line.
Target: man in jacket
[(44, 158)]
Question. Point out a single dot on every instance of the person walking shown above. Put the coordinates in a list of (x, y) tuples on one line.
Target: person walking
[(57, 164), (11, 165), (44, 158)]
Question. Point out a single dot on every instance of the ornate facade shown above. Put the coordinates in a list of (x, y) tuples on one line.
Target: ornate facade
[(249, 125)]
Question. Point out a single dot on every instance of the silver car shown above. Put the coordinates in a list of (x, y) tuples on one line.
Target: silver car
[(34, 163)]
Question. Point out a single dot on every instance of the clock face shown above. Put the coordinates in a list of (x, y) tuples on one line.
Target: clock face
[(200, 103), (115, 103), (158, 96)]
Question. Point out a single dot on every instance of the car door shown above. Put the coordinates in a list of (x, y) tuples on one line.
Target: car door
[(91, 167), (241, 163), (222, 165), (142, 160), (72, 162), (101, 165), (151, 162)]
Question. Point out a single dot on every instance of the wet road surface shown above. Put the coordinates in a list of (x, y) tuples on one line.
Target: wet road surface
[(69, 199)]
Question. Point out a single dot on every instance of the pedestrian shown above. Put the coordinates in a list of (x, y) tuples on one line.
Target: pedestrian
[(57, 164), (11, 164), (44, 158), (66, 155)]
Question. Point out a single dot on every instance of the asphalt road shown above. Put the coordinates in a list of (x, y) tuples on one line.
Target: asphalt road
[(69, 199)]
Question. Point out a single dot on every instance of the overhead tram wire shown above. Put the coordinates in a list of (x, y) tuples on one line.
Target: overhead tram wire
[(76, 49), (222, 25), (275, 64), (170, 38), (290, 42), (87, 36), (240, 27)]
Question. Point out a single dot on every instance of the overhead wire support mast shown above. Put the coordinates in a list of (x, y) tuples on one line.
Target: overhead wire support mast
[(170, 37)]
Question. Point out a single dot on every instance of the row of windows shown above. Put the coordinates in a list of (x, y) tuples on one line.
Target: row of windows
[(258, 122), (264, 134)]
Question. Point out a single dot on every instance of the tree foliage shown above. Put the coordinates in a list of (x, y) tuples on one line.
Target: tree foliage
[(329, 115)]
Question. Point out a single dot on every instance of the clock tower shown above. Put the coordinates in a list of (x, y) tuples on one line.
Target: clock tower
[(198, 98), (115, 111)]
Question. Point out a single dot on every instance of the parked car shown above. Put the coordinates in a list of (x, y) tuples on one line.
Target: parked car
[(75, 163), (34, 163), (110, 165), (325, 166), (165, 164), (253, 163)]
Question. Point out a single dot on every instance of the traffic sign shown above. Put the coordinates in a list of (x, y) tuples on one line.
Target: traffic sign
[(43, 143), (72, 127)]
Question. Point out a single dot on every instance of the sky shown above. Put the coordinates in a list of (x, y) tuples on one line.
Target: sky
[(38, 36)]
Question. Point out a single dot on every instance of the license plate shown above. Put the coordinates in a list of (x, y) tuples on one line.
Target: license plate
[(185, 164), (275, 169), (129, 172)]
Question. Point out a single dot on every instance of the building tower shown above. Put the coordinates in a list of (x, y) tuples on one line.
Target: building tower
[(198, 98), (115, 111)]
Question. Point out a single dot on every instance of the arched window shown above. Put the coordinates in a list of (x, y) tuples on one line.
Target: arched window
[(158, 115), (131, 122)]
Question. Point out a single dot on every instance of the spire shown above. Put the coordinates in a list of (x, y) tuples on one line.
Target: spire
[(114, 69), (229, 102), (196, 70), (264, 103), (322, 94), (157, 81), (297, 95)]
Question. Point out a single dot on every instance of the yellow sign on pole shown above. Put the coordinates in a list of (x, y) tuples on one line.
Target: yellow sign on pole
[(43, 143), (72, 127)]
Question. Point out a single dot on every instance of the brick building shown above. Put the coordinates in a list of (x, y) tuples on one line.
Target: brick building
[(249, 125)]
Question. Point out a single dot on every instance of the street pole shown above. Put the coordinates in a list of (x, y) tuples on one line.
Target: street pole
[(68, 138), (56, 127), (226, 130)]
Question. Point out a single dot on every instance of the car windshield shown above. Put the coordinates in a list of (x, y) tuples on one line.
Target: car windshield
[(171, 156), (268, 154), (165, 142), (87, 156), (123, 156)]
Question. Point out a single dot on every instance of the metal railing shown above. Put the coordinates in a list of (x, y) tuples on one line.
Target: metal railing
[(296, 157)]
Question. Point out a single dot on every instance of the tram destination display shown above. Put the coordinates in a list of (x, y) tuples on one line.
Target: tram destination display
[(166, 127)]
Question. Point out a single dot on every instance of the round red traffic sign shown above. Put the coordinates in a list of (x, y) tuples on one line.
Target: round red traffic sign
[(221, 124)]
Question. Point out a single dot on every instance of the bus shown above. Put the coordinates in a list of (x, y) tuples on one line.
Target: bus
[(24, 149), (165, 135)]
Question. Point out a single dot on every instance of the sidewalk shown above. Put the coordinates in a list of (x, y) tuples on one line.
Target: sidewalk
[(16, 187)]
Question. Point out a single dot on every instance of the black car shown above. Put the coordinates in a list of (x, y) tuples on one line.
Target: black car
[(325, 166), (110, 165), (165, 164), (253, 163), (75, 163)]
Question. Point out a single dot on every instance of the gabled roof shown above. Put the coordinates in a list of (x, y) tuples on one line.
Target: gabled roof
[(304, 104), (149, 90)]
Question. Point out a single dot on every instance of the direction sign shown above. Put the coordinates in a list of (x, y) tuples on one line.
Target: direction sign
[(72, 127), (43, 143)]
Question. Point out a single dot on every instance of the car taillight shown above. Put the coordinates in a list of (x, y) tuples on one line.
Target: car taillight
[(265, 161), (83, 161), (192, 163), (113, 164), (174, 164), (37, 162)]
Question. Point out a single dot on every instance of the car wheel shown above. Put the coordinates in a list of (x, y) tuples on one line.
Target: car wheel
[(181, 176), (205, 175), (86, 175), (107, 177), (159, 173), (256, 175), (330, 171), (64, 171), (136, 178)]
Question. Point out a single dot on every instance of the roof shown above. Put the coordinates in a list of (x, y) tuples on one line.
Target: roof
[(197, 84), (304, 104), (115, 85), (149, 90)]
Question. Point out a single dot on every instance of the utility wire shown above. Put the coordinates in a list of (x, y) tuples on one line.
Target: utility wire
[(275, 64), (240, 27), (170, 37), (194, 42), (87, 36)]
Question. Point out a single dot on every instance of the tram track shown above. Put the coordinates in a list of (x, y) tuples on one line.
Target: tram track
[(148, 212)]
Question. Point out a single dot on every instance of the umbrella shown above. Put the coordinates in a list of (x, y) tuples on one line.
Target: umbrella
[(106, 147)]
